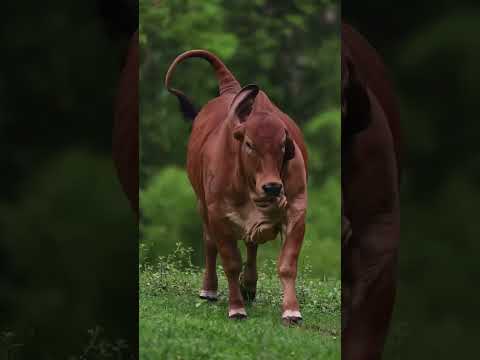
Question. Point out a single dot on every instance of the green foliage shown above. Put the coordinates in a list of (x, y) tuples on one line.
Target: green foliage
[(169, 214), (292, 52), (322, 135), (176, 324), (323, 229)]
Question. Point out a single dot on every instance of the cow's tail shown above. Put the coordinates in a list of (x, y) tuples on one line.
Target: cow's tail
[(227, 83)]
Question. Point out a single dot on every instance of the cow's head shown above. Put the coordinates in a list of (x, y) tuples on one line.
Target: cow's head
[(355, 100), (265, 146)]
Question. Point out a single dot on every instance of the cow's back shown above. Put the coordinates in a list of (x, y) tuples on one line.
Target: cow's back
[(370, 66)]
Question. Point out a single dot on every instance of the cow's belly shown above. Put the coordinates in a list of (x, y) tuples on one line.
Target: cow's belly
[(254, 226)]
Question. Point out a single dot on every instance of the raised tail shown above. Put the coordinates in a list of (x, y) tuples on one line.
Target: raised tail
[(227, 83)]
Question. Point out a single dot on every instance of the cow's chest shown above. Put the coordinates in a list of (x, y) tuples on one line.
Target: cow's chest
[(253, 225)]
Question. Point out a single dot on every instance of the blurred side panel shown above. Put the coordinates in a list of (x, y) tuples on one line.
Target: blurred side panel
[(68, 232), (432, 54), (125, 130)]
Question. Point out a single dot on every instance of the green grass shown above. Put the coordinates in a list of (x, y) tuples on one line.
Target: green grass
[(176, 324)]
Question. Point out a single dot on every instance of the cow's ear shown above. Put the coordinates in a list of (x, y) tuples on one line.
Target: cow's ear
[(242, 103), (289, 149), (356, 105)]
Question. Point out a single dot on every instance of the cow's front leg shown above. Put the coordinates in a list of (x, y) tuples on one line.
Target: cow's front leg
[(248, 278), (232, 264), (287, 267)]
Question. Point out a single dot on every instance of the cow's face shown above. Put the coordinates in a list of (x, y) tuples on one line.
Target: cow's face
[(265, 146)]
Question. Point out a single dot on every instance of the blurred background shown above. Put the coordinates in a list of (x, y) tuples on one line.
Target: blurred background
[(291, 49), (432, 50), (68, 240)]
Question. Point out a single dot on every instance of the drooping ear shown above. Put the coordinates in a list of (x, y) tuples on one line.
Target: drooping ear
[(356, 106), (242, 103), (289, 148)]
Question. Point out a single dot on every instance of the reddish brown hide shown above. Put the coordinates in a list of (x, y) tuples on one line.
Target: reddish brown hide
[(247, 164), (370, 198), (125, 129)]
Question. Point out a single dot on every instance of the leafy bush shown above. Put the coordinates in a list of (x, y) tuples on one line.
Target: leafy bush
[(169, 215)]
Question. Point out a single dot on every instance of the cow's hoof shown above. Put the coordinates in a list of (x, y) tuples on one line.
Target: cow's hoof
[(210, 295), (237, 314), (291, 318)]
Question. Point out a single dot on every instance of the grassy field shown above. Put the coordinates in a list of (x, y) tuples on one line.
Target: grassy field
[(176, 324)]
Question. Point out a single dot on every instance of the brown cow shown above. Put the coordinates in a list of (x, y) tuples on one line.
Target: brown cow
[(247, 164), (125, 129), (370, 198)]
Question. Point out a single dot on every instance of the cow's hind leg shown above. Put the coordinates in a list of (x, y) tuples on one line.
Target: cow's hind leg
[(210, 280), (248, 278)]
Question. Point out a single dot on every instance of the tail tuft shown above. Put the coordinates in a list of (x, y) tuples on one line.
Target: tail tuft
[(189, 110)]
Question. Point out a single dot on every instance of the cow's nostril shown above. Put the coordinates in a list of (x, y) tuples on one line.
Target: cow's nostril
[(272, 189)]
